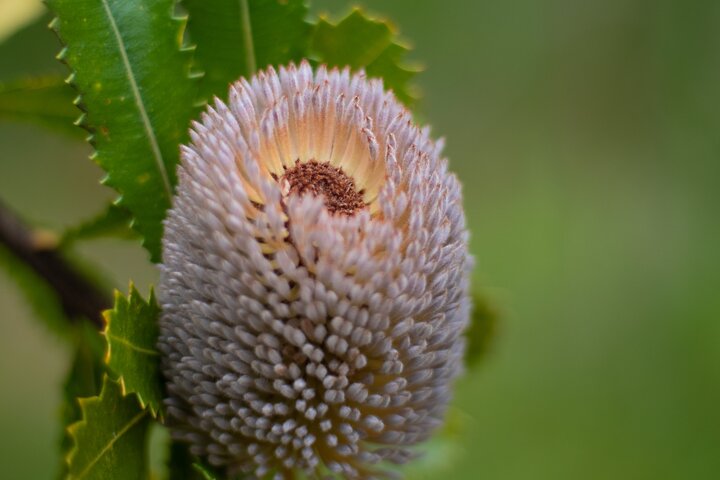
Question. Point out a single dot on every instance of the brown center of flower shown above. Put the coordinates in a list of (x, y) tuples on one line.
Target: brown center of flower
[(339, 190)]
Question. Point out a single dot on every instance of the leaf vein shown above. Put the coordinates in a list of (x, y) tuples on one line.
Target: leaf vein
[(139, 102), (133, 421), (132, 346), (248, 38)]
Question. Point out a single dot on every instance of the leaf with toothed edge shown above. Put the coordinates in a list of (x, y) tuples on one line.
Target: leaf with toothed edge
[(363, 42), (112, 221), (131, 332), (235, 38), (83, 379), (110, 441), (45, 101), (136, 89)]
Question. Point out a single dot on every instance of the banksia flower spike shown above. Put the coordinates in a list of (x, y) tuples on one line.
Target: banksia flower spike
[(314, 280)]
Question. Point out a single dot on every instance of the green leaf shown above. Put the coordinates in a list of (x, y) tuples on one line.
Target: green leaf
[(362, 42), (30, 51), (110, 440), (133, 77), (113, 221), (83, 380), (85, 375), (185, 466), (44, 301), (480, 335), (131, 332), (206, 473), (236, 37), (181, 465), (45, 101)]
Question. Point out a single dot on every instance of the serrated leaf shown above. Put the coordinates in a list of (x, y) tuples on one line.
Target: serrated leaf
[(480, 334), (45, 101), (83, 380), (85, 375), (110, 440), (131, 332), (234, 38), (113, 221), (363, 42), (134, 80)]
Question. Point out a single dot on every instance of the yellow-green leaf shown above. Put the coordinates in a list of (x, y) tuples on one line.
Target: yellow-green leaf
[(83, 380), (112, 221), (363, 42), (205, 472), (131, 332), (110, 440), (45, 101), (44, 300)]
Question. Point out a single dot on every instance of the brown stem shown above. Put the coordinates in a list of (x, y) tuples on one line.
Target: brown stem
[(78, 296)]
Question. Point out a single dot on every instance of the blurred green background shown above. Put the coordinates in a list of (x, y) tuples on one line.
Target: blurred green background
[(587, 137)]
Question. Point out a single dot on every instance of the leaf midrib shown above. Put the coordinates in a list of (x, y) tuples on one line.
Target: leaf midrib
[(250, 62), (133, 421), (152, 139), (132, 346)]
